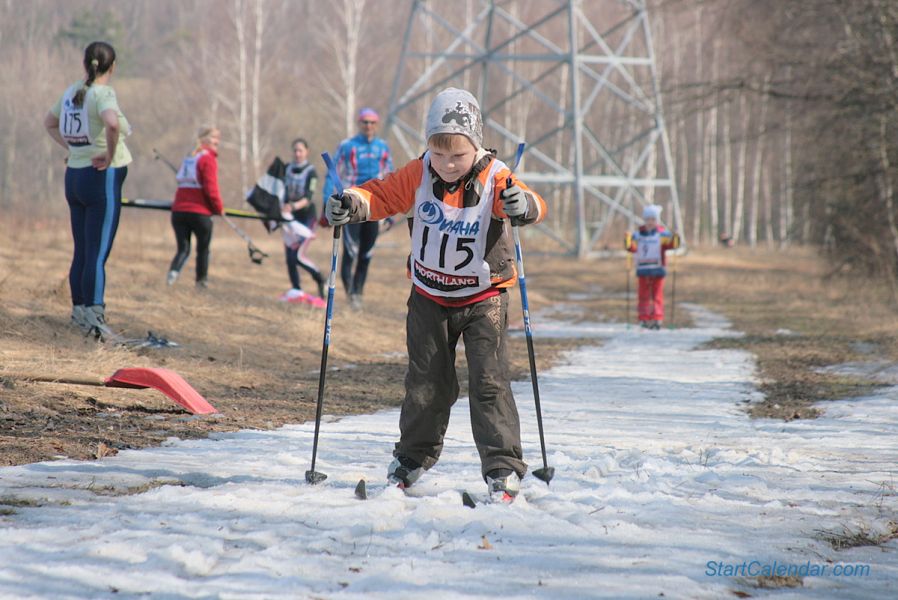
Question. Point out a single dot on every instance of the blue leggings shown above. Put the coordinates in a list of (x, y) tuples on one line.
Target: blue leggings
[(94, 199)]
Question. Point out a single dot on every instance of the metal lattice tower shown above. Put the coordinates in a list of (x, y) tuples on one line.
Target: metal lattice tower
[(575, 80)]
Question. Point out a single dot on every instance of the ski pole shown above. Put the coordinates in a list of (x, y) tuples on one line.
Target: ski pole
[(547, 472), (255, 253), (170, 164), (629, 268), (166, 205), (673, 291), (313, 476)]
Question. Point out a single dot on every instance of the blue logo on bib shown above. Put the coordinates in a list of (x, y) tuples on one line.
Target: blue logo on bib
[(431, 213)]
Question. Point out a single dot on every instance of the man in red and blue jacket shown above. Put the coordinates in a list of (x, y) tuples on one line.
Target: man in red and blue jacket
[(359, 159)]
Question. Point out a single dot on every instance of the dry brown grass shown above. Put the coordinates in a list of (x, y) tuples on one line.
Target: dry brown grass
[(253, 358), (257, 360), (847, 537), (796, 319)]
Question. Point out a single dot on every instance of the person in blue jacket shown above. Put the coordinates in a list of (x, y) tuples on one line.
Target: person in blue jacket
[(359, 159)]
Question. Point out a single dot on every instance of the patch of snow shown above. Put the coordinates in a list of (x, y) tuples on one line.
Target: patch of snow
[(878, 371), (660, 476)]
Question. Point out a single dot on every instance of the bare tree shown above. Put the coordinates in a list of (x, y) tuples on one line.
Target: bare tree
[(741, 169), (342, 36), (757, 164), (239, 20)]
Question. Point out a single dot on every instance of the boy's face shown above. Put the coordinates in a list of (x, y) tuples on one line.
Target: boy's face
[(453, 163), (651, 223)]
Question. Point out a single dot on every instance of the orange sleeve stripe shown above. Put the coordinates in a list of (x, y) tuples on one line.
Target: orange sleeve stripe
[(394, 194), (501, 180)]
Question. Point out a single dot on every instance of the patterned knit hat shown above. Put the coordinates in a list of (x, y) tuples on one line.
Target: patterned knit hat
[(455, 111)]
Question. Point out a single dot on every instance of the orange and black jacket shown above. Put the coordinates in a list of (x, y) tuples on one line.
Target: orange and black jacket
[(395, 194)]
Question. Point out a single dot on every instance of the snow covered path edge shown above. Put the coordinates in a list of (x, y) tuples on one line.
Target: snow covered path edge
[(662, 483)]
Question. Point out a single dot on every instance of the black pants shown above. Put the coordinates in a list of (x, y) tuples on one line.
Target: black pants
[(296, 257), (358, 248), (431, 385), (184, 224)]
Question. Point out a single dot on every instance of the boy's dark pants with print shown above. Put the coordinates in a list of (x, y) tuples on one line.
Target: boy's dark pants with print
[(431, 384)]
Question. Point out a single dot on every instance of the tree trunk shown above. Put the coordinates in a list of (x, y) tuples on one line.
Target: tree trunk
[(727, 172), (257, 71), (242, 125), (702, 167), (767, 199), (711, 140), (754, 210), (887, 190), (741, 169), (786, 216)]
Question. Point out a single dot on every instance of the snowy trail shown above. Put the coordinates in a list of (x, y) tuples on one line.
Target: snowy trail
[(658, 472)]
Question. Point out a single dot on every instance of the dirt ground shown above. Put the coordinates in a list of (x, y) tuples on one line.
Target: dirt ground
[(257, 360)]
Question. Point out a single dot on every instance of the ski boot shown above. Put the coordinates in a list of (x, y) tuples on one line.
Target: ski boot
[(404, 471), (503, 484), (95, 319), (314, 301), (293, 296), (79, 319)]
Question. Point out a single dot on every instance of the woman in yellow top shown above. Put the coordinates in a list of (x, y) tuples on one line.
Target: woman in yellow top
[(87, 121)]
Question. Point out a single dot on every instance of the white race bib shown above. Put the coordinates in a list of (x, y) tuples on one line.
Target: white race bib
[(74, 124), (186, 176), (648, 251), (449, 243)]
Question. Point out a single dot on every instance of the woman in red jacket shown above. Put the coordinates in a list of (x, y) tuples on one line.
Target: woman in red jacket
[(196, 200)]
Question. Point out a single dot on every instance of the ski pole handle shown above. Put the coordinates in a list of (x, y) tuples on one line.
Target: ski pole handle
[(338, 185)]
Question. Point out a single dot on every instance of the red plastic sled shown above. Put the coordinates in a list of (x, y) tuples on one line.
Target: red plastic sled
[(168, 382)]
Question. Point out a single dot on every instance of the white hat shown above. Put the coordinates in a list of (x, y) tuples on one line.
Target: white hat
[(455, 111), (651, 211)]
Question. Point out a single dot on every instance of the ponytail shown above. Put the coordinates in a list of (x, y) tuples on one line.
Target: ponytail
[(98, 59)]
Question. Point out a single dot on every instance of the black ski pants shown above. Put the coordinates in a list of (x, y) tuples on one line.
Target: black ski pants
[(358, 248), (185, 224), (431, 384)]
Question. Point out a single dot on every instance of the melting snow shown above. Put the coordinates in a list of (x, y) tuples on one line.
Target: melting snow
[(660, 478)]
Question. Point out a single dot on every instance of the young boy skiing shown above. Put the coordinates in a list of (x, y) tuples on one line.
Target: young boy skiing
[(459, 199), (650, 243)]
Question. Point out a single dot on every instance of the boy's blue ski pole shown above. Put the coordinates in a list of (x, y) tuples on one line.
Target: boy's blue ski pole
[(313, 476), (547, 472)]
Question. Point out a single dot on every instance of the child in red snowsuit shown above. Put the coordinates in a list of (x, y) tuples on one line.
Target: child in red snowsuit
[(460, 200), (650, 244)]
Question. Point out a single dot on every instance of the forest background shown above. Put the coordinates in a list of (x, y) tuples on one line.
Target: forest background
[(782, 115)]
